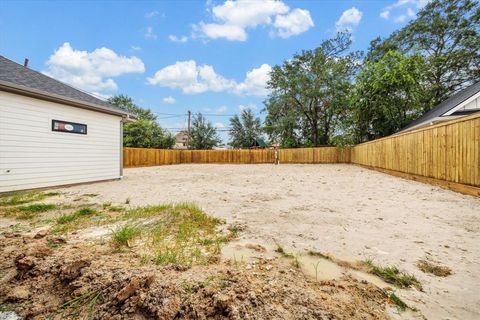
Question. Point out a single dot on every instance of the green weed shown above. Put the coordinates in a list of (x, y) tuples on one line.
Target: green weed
[(125, 234), (30, 211), (402, 306), (392, 275), (19, 198), (280, 249), (67, 218)]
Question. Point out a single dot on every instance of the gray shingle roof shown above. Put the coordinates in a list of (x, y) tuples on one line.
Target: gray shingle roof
[(446, 105), (28, 79)]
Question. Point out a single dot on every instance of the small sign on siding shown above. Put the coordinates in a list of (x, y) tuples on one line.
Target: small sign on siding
[(69, 127)]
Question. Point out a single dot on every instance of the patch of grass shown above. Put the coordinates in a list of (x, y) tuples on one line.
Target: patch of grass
[(401, 306), (180, 233), (76, 305), (438, 270), (296, 262), (85, 211), (319, 254), (67, 218), (392, 275), (19, 198), (146, 212), (115, 209), (123, 236), (30, 211), (90, 195), (280, 249)]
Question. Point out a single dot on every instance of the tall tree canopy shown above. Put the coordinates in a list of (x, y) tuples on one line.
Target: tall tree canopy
[(244, 129), (309, 94), (126, 103), (144, 132), (387, 95), (447, 34), (203, 134)]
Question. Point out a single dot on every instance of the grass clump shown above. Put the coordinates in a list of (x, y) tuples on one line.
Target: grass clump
[(438, 270), (19, 198), (67, 218), (30, 211), (125, 234), (401, 306), (281, 250), (179, 234), (90, 195), (392, 275), (319, 254)]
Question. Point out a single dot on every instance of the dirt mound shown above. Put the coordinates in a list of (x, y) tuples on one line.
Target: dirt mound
[(91, 281)]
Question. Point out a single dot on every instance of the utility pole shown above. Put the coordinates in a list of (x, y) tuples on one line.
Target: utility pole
[(188, 126)]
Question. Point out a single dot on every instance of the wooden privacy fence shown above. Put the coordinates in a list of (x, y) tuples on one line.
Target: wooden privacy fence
[(446, 153), (139, 157)]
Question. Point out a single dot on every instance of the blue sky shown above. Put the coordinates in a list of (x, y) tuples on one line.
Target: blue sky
[(173, 56)]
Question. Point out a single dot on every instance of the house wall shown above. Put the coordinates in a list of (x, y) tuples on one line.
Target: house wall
[(472, 105), (33, 156)]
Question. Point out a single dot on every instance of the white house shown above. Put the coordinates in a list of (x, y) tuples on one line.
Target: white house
[(462, 103), (52, 134)]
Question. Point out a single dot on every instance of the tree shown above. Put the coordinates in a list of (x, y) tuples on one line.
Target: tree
[(387, 95), (447, 34), (144, 132), (203, 134), (309, 93), (126, 103), (245, 129)]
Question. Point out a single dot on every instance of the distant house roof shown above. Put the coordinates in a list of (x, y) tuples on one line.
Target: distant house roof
[(259, 142), (450, 107), (19, 79), (182, 136)]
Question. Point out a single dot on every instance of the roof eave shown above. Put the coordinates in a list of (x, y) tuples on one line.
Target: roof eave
[(34, 93)]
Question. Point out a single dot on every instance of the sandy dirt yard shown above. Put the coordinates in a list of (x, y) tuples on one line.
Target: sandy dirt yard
[(345, 212)]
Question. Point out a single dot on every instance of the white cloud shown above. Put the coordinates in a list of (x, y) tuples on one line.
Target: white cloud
[(169, 100), (150, 33), (255, 82), (174, 38), (400, 19), (385, 14), (233, 18), (403, 10), (91, 71), (216, 31), (152, 14), (135, 48), (219, 125), (293, 23), (192, 78), (350, 18)]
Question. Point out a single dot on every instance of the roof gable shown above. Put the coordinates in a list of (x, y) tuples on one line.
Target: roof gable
[(17, 76), (447, 105)]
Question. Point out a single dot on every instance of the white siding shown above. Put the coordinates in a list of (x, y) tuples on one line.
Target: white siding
[(475, 104), (33, 156)]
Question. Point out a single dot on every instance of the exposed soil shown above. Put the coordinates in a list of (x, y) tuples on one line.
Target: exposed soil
[(93, 281), (343, 211)]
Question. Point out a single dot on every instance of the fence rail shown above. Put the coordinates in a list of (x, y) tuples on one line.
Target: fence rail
[(141, 157), (447, 153)]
